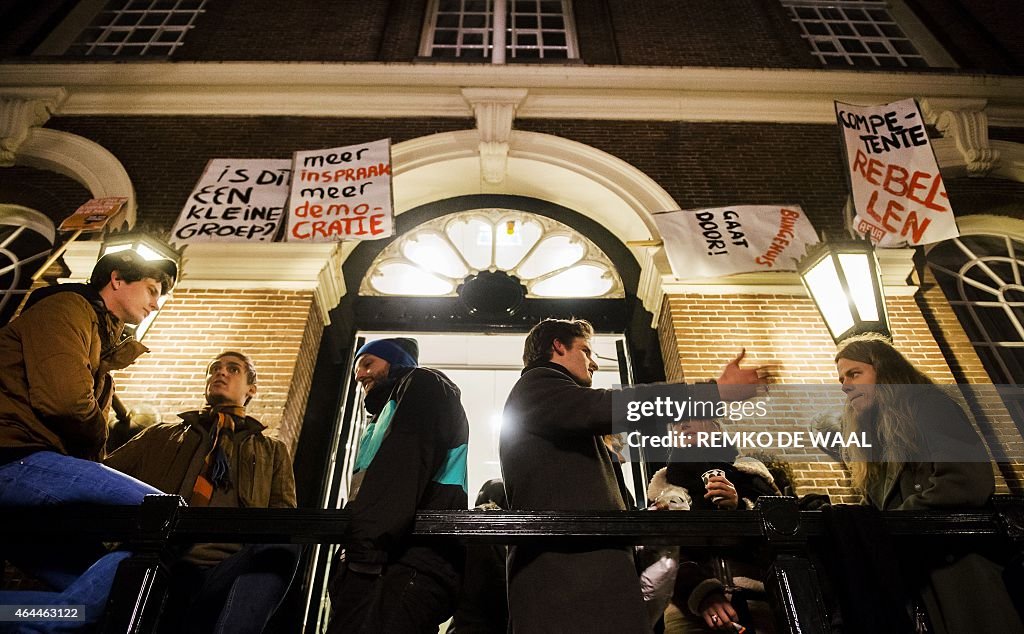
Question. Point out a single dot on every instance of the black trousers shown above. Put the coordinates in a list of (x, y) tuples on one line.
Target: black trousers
[(402, 600)]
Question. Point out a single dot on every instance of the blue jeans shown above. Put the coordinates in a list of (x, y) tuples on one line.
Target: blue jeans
[(80, 575), (236, 596)]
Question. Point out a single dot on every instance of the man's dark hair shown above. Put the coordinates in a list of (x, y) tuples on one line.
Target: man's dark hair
[(133, 267), (250, 368), (542, 337)]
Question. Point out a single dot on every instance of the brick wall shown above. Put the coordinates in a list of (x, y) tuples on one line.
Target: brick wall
[(715, 164), (280, 330), (787, 334), (150, 148), (722, 33)]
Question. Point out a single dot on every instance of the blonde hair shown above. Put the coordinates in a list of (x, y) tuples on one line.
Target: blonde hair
[(889, 422)]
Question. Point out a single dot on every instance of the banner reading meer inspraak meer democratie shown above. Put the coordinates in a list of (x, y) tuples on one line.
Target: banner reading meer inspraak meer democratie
[(722, 241), (898, 193), (341, 193), (235, 200)]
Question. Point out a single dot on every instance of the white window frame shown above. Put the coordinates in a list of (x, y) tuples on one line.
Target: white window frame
[(927, 48), (994, 285), (71, 30), (500, 39)]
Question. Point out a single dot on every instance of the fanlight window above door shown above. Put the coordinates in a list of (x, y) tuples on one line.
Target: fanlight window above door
[(550, 259)]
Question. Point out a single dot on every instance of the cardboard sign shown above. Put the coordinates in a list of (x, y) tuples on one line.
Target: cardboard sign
[(235, 200), (94, 215), (342, 193), (722, 241), (898, 192)]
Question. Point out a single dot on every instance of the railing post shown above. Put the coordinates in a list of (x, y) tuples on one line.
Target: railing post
[(1010, 517), (141, 582), (792, 581)]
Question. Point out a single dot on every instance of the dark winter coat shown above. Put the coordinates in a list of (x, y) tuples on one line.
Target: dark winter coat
[(962, 592), (411, 457), (553, 458), (169, 456)]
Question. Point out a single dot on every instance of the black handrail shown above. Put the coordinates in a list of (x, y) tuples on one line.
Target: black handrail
[(153, 529)]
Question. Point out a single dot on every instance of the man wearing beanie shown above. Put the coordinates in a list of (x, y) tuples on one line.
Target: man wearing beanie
[(411, 456)]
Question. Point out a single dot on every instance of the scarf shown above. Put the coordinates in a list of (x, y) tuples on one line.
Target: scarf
[(216, 472)]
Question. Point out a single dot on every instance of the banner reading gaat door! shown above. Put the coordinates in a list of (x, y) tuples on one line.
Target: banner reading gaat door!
[(742, 239), (897, 189), (341, 193), (235, 200)]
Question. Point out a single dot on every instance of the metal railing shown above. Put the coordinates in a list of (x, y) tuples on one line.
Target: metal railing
[(776, 526)]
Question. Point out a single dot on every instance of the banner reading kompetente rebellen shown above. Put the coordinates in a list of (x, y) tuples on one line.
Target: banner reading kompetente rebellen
[(897, 189), (721, 241), (342, 193)]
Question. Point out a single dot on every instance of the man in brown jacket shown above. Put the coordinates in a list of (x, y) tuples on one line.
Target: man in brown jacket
[(55, 390), (219, 456)]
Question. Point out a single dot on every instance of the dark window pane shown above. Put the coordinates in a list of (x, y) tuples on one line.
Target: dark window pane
[(153, 19), (890, 30), (447, 22), (115, 36), (474, 21), (551, 7), (141, 35), (127, 19), (472, 39), (168, 36), (867, 30), (554, 39), (179, 19), (816, 28), (526, 22), (527, 53), (826, 46), (446, 36), (851, 45), (842, 29), (526, 39), (877, 47)]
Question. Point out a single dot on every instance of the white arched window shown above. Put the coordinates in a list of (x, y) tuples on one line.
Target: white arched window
[(982, 276), (550, 259), (26, 238)]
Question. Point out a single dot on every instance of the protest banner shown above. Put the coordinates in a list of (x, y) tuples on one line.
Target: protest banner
[(94, 214), (342, 193), (897, 189), (235, 200), (721, 241)]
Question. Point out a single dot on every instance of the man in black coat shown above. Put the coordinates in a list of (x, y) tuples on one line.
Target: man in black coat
[(553, 458)]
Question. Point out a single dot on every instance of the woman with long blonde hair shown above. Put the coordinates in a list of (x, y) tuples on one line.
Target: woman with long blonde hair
[(924, 454), (920, 438)]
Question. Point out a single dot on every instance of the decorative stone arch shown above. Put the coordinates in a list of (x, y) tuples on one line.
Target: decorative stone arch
[(78, 158), (590, 181), (23, 142)]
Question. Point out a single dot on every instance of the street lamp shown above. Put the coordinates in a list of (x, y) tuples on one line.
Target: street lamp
[(149, 248), (844, 281)]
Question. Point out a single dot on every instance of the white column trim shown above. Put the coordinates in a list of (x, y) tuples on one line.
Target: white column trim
[(494, 109), (554, 91), (21, 111)]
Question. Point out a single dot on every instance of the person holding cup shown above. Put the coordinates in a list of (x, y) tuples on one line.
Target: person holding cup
[(717, 593)]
